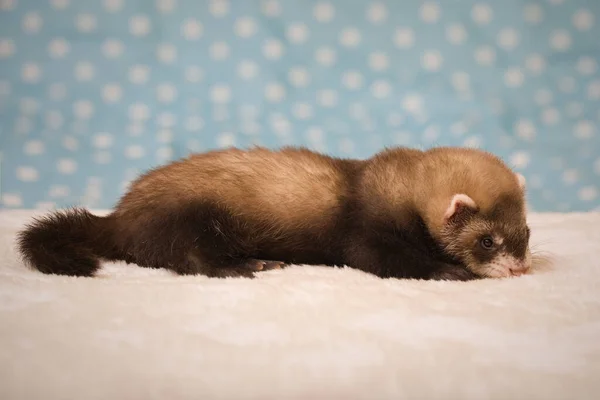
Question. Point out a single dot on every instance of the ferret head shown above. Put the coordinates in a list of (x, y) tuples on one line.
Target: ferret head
[(480, 215)]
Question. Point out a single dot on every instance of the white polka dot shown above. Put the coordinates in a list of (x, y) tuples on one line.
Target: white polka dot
[(586, 65), (12, 200), (587, 193), (166, 6), (194, 123), (456, 34), (34, 147), (32, 22), (302, 111), (327, 98), (346, 145), (111, 93), (272, 49), (59, 4), (102, 140), (166, 120), (513, 77), (85, 23), (550, 116), (297, 33), (430, 12), (597, 166), (139, 25), (134, 151), (139, 112), (164, 136), (139, 74), (112, 48), (325, 56), (271, 8), (543, 97), (525, 129), (274, 92), (7, 48), (113, 5), (53, 120), (482, 14), (560, 40), (66, 166), (570, 176), (593, 90), (431, 60), (220, 94), (27, 174), (350, 37), (226, 139), (164, 153), (520, 159), (485, 55), (136, 128), (381, 89), (299, 76), (412, 103), (281, 125), (247, 69), (219, 8), (83, 109), (191, 29), (166, 53), (583, 20), (193, 74), (70, 143), (245, 27), (536, 63), (567, 84), (323, 12), (31, 73), (84, 71), (352, 80), (376, 13), (404, 38), (473, 142), (166, 93), (461, 81), (508, 38), (533, 13), (378, 61), (59, 191), (584, 130), (219, 51), (58, 48), (574, 110), (102, 157)]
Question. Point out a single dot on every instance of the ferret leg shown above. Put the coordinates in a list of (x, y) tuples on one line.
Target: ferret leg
[(450, 272)]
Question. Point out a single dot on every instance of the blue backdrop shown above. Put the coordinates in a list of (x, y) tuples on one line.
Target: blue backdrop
[(93, 92)]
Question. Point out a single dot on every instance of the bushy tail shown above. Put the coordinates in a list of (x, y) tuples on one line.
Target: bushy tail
[(67, 242)]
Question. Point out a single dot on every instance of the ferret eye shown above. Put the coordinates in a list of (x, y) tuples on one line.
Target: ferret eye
[(487, 242)]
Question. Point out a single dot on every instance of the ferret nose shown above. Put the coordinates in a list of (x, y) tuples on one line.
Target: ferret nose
[(519, 269)]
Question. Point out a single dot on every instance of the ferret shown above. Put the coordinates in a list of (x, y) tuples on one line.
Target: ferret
[(446, 213)]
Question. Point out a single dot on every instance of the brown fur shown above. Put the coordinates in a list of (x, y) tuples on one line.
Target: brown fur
[(233, 212)]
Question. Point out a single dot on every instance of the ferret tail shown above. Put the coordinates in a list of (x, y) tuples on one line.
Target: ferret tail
[(69, 242)]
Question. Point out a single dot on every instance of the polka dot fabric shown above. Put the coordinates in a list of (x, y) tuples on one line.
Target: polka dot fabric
[(94, 92)]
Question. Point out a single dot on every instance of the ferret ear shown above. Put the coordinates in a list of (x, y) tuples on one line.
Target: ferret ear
[(459, 205), (521, 180)]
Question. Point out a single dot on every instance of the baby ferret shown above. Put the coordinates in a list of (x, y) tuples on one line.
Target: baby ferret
[(445, 213)]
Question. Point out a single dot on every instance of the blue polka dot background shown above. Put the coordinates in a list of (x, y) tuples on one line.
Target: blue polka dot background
[(94, 92)]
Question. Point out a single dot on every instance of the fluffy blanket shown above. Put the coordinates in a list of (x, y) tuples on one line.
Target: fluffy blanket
[(306, 332)]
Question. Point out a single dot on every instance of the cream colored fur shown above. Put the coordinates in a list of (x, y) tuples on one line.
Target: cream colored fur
[(305, 332)]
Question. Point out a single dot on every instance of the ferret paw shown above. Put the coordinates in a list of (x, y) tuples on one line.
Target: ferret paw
[(449, 272), (262, 265)]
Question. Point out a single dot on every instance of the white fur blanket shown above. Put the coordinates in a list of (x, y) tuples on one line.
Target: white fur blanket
[(305, 332)]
